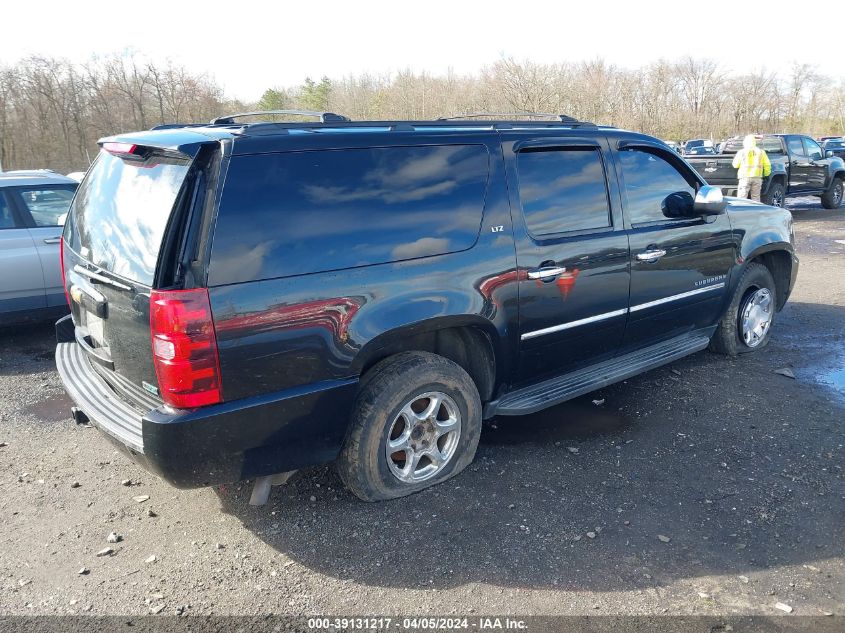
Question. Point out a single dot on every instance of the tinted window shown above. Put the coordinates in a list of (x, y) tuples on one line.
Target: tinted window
[(303, 212), (772, 145), (121, 211), (813, 149), (793, 143), (563, 190), (7, 220), (48, 207), (649, 180)]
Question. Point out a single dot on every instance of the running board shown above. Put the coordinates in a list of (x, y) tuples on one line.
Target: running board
[(562, 388)]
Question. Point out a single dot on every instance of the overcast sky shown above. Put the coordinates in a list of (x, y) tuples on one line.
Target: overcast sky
[(248, 46)]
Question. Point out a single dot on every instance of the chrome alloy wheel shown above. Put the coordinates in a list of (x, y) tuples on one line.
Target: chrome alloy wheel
[(756, 317), (837, 193), (423, 438), (777, 199)]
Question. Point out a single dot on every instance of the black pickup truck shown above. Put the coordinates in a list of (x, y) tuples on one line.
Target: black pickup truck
[(799, 168)]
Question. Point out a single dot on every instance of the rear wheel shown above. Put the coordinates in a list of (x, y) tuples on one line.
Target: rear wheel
[(747, 323), (774, 196), (416, 422), (832, 198)]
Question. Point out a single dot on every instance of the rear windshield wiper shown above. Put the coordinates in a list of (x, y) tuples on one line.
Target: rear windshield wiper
[(97, 277)]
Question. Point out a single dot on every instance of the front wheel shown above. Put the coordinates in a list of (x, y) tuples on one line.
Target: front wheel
[(832, 198), (416, 422), (747, 323)]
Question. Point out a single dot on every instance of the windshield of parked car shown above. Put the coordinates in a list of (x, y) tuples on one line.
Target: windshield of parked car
[(837, 144)]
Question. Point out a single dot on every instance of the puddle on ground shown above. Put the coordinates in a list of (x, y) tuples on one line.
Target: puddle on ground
[(835, 379), (51, 409)]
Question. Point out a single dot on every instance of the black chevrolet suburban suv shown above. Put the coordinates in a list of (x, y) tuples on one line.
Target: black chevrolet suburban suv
[(251, 299)]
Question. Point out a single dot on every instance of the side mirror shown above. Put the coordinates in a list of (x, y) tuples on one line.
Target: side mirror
[(829, 154), (710, 201)]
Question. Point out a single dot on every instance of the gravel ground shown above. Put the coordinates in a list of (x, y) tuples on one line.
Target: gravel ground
[(710, 486)]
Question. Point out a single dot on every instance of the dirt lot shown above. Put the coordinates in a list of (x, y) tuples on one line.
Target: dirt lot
[(710, 486)]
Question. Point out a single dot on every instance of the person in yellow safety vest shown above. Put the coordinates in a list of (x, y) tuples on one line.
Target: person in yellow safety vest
[(752, 165)]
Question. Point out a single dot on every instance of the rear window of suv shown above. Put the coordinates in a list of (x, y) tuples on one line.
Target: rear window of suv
[(121, 210), (295, 213)]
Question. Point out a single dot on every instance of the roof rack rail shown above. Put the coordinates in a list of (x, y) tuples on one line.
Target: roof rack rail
[(176, 126), (562, 118), (324, 117)]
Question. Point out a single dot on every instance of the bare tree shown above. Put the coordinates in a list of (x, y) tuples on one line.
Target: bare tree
[(52, 111)]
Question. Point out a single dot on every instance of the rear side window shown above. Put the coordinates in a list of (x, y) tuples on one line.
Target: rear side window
[(303, 212), (48, 206), (562, 190), (121, 212), (795, 146), (7, 220)]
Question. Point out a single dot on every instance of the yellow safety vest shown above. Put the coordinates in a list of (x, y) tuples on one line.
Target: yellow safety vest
[(752, 163)]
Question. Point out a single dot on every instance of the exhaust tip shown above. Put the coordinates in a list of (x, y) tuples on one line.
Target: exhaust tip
[(79, 416)]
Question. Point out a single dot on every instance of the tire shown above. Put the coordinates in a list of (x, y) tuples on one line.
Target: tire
[(755, 285), (832, 198), (775, 195), (391, 397)]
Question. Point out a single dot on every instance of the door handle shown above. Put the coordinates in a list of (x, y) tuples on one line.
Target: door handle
[(52, 240), (651, 255), (546, 272)]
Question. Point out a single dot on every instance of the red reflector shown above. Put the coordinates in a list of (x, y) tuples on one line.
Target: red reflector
[(185, 348), (120, 148)]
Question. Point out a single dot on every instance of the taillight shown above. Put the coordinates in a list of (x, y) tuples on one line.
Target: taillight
[(120, 148), (62, 264), (185, 348)]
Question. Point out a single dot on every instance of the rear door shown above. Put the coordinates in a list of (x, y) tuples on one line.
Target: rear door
[(572, 254), (817, 169), (679, 266), (45, 208), (799, 164), (115, 235), (21, 279)]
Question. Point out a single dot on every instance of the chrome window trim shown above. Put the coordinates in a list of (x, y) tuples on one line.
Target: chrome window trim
[(615, 313)]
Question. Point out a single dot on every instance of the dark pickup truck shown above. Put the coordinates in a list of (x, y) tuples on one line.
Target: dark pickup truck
[(799, 168)]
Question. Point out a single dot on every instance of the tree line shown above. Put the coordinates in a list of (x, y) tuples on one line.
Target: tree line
[(53, 111)]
